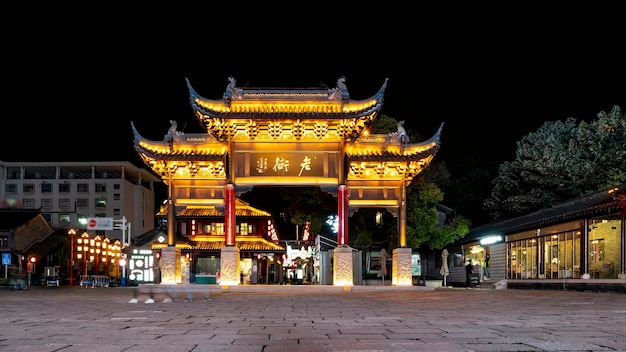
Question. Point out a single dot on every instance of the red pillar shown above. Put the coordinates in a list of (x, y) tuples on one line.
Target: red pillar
[(229, 213), (342, 215)]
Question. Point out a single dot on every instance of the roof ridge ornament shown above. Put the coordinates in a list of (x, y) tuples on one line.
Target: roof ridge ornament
[(232, 92), (173, 135), (400, 136), (340, 91)]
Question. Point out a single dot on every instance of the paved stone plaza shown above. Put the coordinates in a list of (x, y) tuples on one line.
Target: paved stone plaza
[(379, 319)]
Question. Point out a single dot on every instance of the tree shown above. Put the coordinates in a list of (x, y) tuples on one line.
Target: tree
[(309, 204), (560, 161)]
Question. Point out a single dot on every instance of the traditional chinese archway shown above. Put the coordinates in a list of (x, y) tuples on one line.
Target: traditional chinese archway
[(273, 137)]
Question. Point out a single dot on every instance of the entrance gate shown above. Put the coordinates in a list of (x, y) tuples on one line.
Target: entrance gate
[(273, 137)]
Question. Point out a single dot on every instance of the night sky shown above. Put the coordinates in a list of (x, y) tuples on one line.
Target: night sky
[(71, 92)]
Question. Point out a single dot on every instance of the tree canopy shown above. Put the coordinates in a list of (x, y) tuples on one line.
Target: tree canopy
[(560, 161)]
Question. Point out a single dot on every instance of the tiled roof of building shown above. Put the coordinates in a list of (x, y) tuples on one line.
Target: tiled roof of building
[(605, 202)]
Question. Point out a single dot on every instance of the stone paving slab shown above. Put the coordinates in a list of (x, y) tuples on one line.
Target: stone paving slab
[(270, 320)]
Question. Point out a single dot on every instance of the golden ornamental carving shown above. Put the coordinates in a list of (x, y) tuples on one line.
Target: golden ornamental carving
[(297, 129), (275, 129), (252, 129), (321, 130)]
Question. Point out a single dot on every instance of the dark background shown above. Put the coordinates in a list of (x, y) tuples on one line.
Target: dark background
[(73, 84)]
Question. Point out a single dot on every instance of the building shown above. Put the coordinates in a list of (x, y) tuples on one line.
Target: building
[(65, 195), (68, 193), (286, 136), (578, 244), (200, 238), (26, 238)]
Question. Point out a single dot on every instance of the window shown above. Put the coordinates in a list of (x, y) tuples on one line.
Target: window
[(46, 203), (82, 219), (116, 211), (13, 173), (46, 188), (101, 187), (243, 228), (64, 219), (28, 188), (10, 188), (218, 228), (82, 188), (64, 188), (116, 196), (65, 203), (4, 241), (82, 203), (29, 203), (47, 216), (101, 202)]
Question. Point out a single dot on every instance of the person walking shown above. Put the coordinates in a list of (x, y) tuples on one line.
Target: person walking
[(469, 270), (487, 265)]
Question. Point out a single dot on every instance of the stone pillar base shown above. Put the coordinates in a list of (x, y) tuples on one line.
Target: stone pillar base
[(171, 272), (402, 274), (229, 266), (342, 267)]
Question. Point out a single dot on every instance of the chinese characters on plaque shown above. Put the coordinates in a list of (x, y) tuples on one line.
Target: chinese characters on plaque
[(281, 165)]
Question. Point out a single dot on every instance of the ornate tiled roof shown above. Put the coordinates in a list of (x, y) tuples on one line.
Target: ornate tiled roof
[(595, 204), (216, 243), (242, 209), (386, 156), (283, 114)]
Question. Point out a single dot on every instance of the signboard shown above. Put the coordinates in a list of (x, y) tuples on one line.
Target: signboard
[(99, 223), (286, 164), (6, 258)]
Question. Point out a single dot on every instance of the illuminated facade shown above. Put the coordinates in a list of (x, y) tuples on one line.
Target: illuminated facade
[(302, 137)]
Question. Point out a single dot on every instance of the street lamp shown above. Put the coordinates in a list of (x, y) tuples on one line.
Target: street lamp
[(96, 244), (83, 249), (71, 232), (31, 269)]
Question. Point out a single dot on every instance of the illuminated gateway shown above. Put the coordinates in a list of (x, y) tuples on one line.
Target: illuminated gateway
[(272, 137)]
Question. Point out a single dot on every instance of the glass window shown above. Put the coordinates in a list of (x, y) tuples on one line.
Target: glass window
[(46, 188), (82, 218), (101, 202), (82, 187), (10, 188), (64, 218), (64, 188), (28, 188), (13, 173), (82, 203), (116, 211), (101, 187), (46, 203), (65, 203), (4, 241), (604, 248), (29, 203), (116, 196)]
